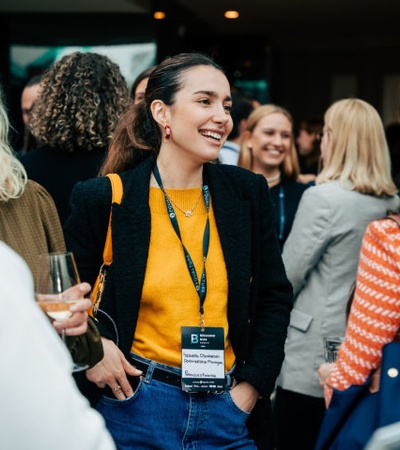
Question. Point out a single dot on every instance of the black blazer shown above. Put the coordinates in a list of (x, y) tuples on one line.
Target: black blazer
[(260, 296), (58, 171)]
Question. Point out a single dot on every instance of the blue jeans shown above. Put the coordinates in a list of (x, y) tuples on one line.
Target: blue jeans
[(161, 416)]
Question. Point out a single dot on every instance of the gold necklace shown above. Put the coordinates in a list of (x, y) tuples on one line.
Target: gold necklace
[(273, 178), (189, 212)]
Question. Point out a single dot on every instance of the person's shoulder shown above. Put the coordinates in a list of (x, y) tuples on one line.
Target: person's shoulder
[(95, 188), (385, 228), (326, 194), (129, 178), (34, 153), (98, 190), (245, 183), (333, 185), (15, 283), (34, 190), (343, 189), (12, 261), (233, 171), (35, 199), (237, 175), (90, 197), (34, 186), (382, 240), (7, 252), (331, 190)]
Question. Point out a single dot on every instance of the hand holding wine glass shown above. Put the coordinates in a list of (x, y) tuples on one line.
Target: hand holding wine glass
[(77, 323), (60, 293)]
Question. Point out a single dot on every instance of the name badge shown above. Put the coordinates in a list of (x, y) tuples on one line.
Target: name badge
[(203, 359)]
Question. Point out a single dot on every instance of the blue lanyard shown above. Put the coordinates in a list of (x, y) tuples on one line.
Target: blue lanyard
[(281, 211), (201, 287)]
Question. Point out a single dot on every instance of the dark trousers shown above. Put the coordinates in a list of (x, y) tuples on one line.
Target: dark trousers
[(298, 419), (261, 425)]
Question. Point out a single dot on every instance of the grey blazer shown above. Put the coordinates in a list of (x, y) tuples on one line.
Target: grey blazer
[(321, 258)]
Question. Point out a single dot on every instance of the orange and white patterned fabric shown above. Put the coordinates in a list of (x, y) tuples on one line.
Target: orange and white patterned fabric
[(374, 318)]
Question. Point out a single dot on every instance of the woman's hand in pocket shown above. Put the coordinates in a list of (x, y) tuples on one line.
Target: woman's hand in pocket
[(111, 371), (244, 395)]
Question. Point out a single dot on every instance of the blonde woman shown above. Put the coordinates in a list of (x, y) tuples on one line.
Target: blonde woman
[(29, 224), (28, 218), (321, 257), (268, 149)]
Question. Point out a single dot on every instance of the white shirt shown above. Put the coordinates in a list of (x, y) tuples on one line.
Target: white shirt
[(40, 406), (229, 153)]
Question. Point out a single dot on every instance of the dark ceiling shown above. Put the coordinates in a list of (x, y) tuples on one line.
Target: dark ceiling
[(299, 46), (312, 20)]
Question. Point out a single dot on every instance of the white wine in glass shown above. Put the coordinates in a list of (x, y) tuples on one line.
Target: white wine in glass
[(57, 309), (57, 274)]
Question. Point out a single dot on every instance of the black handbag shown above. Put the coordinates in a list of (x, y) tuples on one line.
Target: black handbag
[(355, 413)]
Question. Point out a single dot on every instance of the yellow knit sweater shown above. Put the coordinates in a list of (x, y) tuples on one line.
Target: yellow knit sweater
[(169, 299)]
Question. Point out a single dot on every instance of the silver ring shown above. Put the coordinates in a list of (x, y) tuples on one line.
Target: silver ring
[(117, 388)]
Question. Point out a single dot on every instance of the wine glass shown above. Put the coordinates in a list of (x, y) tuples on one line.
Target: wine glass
[(57, 274)]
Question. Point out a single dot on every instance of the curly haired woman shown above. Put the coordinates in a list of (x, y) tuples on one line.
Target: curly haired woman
[(82, 97)]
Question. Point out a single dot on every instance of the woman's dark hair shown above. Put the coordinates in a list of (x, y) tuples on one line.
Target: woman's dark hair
[(310, 163), (82, 98), (142, 76), (138, 135)]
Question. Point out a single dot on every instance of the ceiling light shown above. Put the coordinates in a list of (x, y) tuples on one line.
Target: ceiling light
[(159, 15), (231, 14)]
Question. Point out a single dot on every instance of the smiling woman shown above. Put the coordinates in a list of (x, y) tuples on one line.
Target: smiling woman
[(268, 149), (182, 264), (200, 120)]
